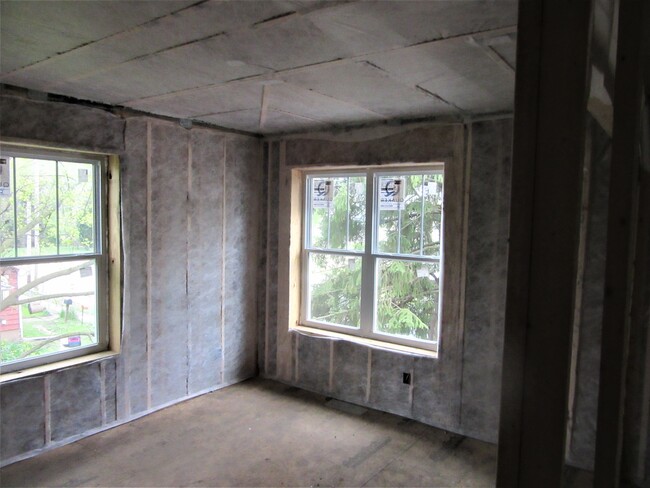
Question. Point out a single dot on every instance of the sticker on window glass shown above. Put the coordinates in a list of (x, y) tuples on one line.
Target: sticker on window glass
[(85, 272), (391, 193), (422, 272), (322, 193), (73, 341), (83, 175), (432, 188), (5, 178)]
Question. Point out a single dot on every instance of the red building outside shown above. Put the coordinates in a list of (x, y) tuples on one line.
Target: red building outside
[(9, 317)]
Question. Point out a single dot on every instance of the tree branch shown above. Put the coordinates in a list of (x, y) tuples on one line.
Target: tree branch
[(51, 276), (46, 297), (52, 339), (27, 227), (340, 312)]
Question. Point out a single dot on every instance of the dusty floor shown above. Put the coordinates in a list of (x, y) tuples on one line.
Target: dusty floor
[(261, 433)]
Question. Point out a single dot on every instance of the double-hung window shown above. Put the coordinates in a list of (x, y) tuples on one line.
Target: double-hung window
[(54, 254), (372, 254)]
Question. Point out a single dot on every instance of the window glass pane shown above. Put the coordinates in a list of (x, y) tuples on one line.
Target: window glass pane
[(411, 221), (395, 200), (387, 231), (76, 208), (338, 212), (7, 231), (410, 224), (407, 298), (433, 197), (36, 207), (56, 310), (357, 214), (335, 289)]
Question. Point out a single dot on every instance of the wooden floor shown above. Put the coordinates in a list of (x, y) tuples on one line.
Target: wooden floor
[(262, 433)]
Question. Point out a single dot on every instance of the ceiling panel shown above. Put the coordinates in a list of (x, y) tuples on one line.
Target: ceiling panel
[(35, 30), (289, 42), (197, 103), (189, 25), (378, 25), (180, 69), (277, 121), (457, 70), (302, 102), (508, 52), (321, 63), (246, 120), (310, 5), (364, 85)]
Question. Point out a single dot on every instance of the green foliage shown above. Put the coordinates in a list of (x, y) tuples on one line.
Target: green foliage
[(51, 328), (10, 350), (407, 303), (343, 233), (337, 298), (71, 314), (407, 293), (26, 313)]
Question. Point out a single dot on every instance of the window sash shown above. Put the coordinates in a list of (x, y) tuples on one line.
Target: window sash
[(308, 209), (99, 256), (369, 258), (377, 175), (98, 166)]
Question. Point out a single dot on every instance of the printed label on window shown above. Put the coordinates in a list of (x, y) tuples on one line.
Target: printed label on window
[(422, 272), (85, 272), (5, 178), (432, 188), (322, 193), (391, 193)]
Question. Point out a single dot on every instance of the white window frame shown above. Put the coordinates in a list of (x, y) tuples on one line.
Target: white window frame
[(103, 285), (369, 256)]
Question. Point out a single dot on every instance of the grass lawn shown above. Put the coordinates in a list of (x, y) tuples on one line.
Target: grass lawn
[(14, 350), (25, 311), (46, 327)]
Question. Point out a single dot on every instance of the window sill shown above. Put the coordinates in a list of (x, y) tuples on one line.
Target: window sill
[(56, 366), (386, 346)]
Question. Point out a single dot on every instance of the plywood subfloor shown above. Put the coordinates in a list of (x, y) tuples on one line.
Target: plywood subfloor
[(262, 433)]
